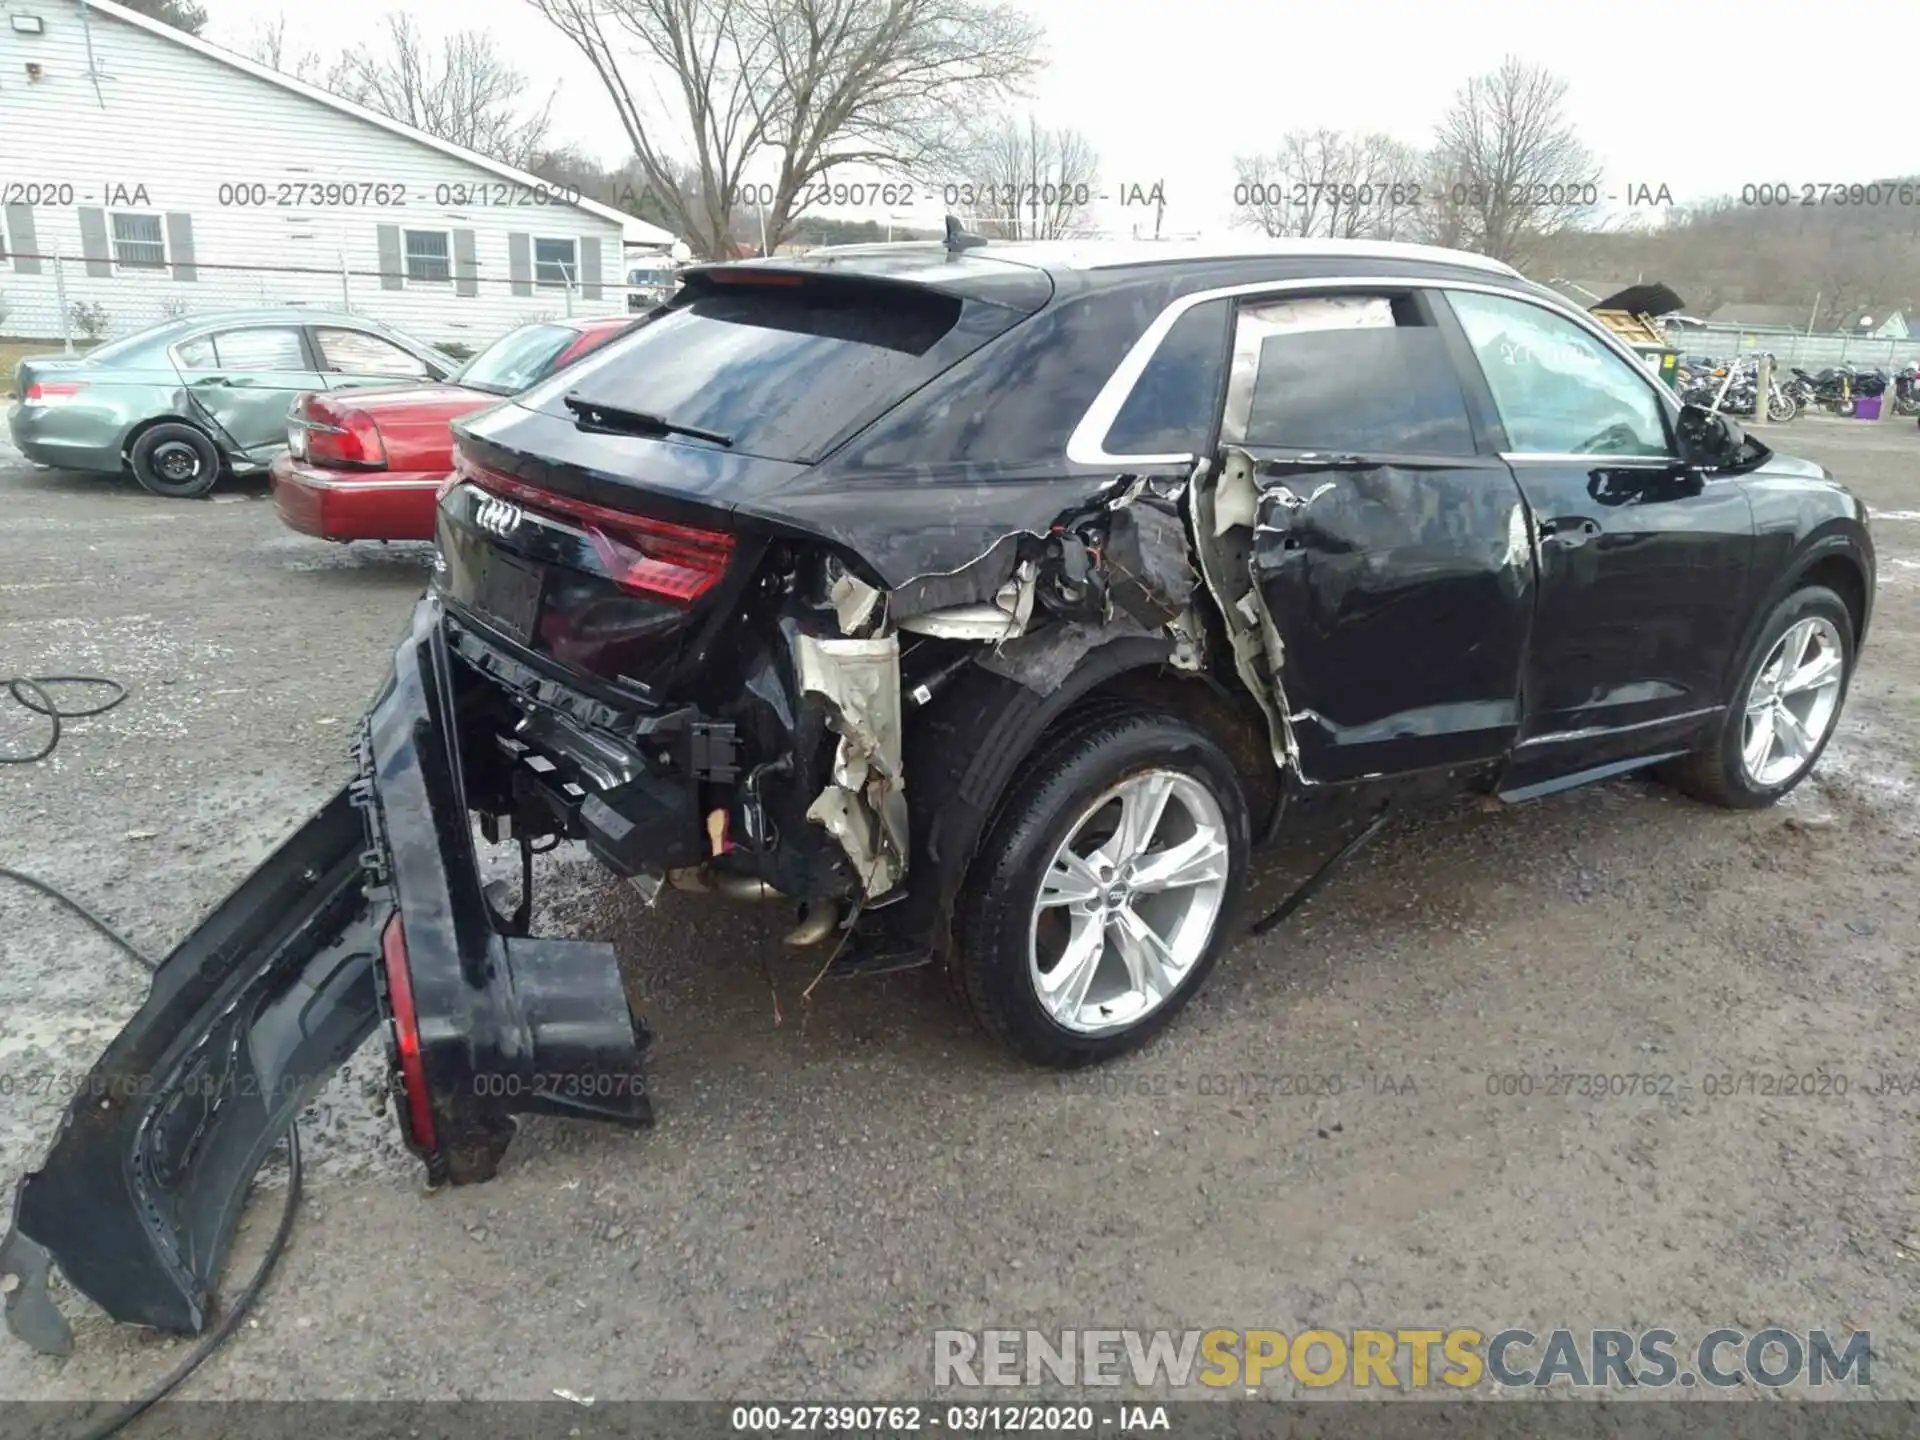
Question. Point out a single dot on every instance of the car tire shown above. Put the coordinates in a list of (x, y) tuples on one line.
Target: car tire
[(176, 461), (1723, 773), (1028, 930)]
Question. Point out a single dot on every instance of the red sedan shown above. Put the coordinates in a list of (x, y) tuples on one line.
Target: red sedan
[(365, 463)]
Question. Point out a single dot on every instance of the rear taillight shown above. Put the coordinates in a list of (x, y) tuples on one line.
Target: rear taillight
[(337, 436), (642, 555), (406, 1035), (652, 557), (62, 393)]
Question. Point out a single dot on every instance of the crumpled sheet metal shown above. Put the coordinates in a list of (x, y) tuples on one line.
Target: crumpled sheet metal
[(1150, 571), (1005, 618), (865, 808)]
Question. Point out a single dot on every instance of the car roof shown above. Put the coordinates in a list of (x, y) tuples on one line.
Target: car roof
[(283, 315), (1057, 256)]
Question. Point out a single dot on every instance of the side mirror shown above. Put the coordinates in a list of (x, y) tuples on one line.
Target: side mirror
[(1709, 439)]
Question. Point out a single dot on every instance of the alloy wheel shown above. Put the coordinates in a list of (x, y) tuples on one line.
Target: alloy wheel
[(1129, 902), (1792, 703)]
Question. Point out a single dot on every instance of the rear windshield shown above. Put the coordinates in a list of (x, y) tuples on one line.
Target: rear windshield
[(780, 369), (515, 361)]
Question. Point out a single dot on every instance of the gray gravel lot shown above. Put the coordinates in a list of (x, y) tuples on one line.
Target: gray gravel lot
[(822, 1192)]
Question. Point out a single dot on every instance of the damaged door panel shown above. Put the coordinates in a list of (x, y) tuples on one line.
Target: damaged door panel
[(1402, 595), (1388, 551)]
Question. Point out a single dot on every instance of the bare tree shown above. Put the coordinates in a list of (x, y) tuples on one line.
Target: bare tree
[(1513, 166), (267, 43), (625, 187), (823, 85), (1331, 183), (467, 93), (1025, 180)]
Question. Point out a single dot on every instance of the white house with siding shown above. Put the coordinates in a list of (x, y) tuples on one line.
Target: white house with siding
[(145, 173)]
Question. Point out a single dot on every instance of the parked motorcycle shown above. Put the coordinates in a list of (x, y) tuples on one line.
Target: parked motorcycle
[(1835, 388), (1732, 387), (1906, 389)]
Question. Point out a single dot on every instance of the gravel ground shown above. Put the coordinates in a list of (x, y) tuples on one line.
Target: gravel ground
[(824, 1190)]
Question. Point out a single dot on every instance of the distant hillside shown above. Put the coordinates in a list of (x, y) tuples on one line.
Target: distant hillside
[(1856, 257), (816, 230)]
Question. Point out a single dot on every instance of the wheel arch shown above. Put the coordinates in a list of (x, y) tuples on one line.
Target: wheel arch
[(1837, 559), (1841, 572), (964, 751), (131, 436)]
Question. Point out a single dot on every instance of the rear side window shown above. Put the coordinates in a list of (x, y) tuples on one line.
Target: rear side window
[(780, 369), (1171, 407), (1357, 373), (261, 349)]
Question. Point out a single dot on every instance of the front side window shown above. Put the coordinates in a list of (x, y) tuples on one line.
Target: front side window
[(429, 257), (260, 350), (1348, 373), (556, 262), (354, 352), (1558, 389), (139, 242)]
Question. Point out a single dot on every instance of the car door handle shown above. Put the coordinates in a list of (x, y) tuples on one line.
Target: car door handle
[(1569, 532), (224, 380)]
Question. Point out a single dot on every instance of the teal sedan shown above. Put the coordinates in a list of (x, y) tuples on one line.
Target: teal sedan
[(187, 401)]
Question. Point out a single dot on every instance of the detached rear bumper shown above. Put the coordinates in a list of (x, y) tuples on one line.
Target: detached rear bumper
[(373, 910)]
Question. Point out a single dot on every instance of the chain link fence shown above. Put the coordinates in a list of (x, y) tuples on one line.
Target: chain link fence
[(64, 300), (1810, 352)]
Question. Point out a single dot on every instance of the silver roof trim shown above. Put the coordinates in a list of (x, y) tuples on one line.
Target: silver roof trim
[(1087, 444), (1112, 254)]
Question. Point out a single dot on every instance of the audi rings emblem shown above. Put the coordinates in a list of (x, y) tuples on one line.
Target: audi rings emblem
[(498, 516)]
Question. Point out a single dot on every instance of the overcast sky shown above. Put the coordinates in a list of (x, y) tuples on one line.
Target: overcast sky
[(1674, 92)]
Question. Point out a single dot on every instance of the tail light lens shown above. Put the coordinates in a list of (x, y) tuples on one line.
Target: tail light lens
[(335, 435), (406, 1033), (642, 555), (62, 393), (652, 557)]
